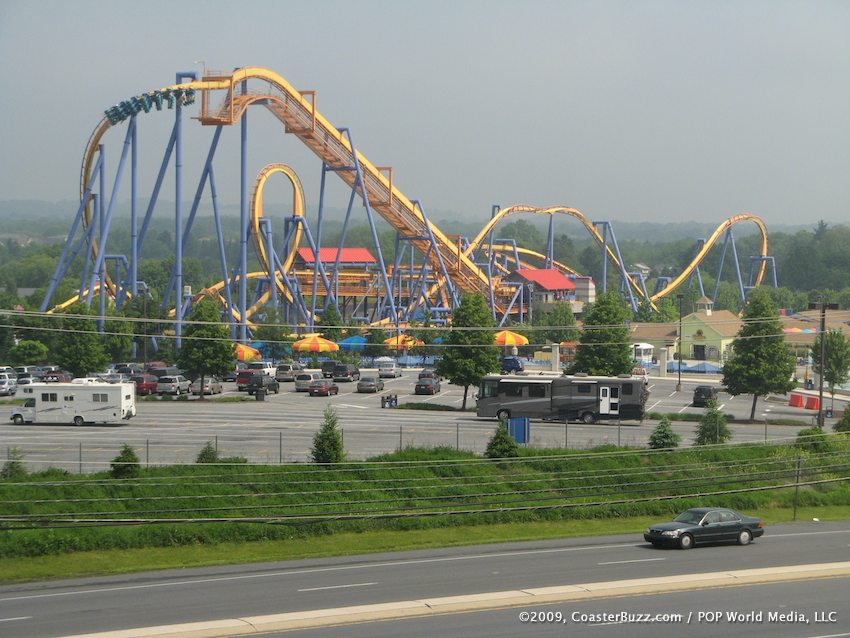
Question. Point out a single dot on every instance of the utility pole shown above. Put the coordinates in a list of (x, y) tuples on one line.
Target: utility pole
[(822, 306), (680, 296)]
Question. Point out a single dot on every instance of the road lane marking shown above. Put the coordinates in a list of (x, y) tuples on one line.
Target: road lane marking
[(348, 405), (639, 560), (337, 586), (398, 563), (18, 618)]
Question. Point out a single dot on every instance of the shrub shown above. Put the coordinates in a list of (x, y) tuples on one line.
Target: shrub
[(712, 427), (812, 440), (843, 424), (327, 443), (663, 436), (13, 469), (208, 454), (502, 445), (126, 464)]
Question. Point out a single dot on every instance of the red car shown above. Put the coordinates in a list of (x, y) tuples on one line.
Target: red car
[(145, 383), (242, 378), (325, 387)]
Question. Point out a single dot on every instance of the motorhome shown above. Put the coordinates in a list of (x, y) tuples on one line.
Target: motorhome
[(563, 398), (81, 401)]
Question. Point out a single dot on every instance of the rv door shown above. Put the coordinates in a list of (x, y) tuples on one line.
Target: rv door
[(609, 400)]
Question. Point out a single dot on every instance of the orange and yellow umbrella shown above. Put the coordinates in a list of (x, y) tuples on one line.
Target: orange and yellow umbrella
[(508, 338), (247, 353), (403, 342), (315, 344)]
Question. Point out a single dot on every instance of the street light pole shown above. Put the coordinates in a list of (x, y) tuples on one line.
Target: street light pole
[(680, 296)]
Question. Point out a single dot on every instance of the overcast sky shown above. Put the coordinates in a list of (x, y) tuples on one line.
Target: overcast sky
[(628, 110)]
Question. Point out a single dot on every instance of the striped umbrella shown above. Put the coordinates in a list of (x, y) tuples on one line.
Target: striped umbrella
[(247, 353), (315, 344), (403, 342), (508, 338)]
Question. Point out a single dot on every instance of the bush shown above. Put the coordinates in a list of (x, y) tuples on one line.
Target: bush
[(126, 464), (843, 424), (502, 445), (327, 443), (812, 440), (13, 469), (208, 454), (663, 436), (712, 427)]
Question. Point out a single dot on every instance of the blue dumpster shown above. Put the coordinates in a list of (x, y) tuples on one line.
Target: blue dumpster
[(520, 429)]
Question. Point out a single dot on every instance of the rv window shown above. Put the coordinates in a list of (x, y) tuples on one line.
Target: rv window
[(583, 388), (101, 398), (627, 388), (48, 396), (29, 403), (489, 389), (537, 390), (512, 389), (70, 397)]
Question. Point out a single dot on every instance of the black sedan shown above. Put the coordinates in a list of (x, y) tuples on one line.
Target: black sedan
[(705, 525), (427, 386)]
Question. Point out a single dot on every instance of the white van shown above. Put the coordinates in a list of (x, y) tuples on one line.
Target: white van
[(304, 379), (387, 369), (77, 403), (265, 367)]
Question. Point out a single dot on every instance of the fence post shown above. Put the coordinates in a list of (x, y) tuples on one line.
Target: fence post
[(797, 485), (566, 433), (147, 452), (400, 446), (81, 457), (280, 448), (457, 436), (216, 442)]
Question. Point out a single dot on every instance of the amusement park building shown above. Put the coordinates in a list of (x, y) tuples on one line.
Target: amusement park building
[(550, 286)]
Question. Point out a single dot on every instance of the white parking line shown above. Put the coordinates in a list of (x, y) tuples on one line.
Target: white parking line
[(337, 586), (18, 618), (639, 560)]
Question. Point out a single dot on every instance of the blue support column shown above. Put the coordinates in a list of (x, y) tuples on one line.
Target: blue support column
[(134, 222), (178, 225), (243, 227), (266, 229)]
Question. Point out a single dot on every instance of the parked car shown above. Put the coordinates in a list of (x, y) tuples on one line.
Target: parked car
[(323, 387), (370, 384), (212, 385), (427, 386), (703, 394), (346, 372), (328, 368), (167, 371), (262, 381), (8, 387), (303, 380), (287, 371), (266, 367), (172, 384), (388, 369), (511, 364), (58, 376), (242, 379), (145, 383), (231, 376), (430, 373), (27, 380), (705, 525)]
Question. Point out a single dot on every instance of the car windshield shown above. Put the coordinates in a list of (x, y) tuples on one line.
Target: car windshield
[(689, 516)]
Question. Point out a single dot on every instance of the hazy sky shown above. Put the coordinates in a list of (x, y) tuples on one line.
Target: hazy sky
[(635, 110)]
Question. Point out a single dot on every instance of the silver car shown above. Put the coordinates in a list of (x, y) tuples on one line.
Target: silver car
[(304, 379), (176, 385), (8, 387), (212, 385)]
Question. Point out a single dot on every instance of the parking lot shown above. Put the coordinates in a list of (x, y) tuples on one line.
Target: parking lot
[(281, 427)]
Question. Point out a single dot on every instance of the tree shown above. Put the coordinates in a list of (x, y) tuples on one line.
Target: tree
[(206, 349), (274, 335), (126, 464), (663, 436), (117, 339), (836, 368), (330, 323), (712, 428), (502, 445), (13, 469), (327, 442), (559, 322), (79, 347), (761, 361), (469, 354), (604, 347), (28, 352), (208, 454), (375, 346)]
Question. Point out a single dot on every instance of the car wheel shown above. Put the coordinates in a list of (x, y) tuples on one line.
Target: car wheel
[(745, 537), (177, 392), (503, 415), (686, 541), (587, 418), (78, 420), (18, 419)]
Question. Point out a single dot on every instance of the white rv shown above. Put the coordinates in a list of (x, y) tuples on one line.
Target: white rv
[(81, 401)]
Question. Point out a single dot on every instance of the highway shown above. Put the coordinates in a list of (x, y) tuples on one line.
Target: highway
[(281, 428), (198, 595)]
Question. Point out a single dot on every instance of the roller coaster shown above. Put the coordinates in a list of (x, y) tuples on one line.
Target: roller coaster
[(429, 269)]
